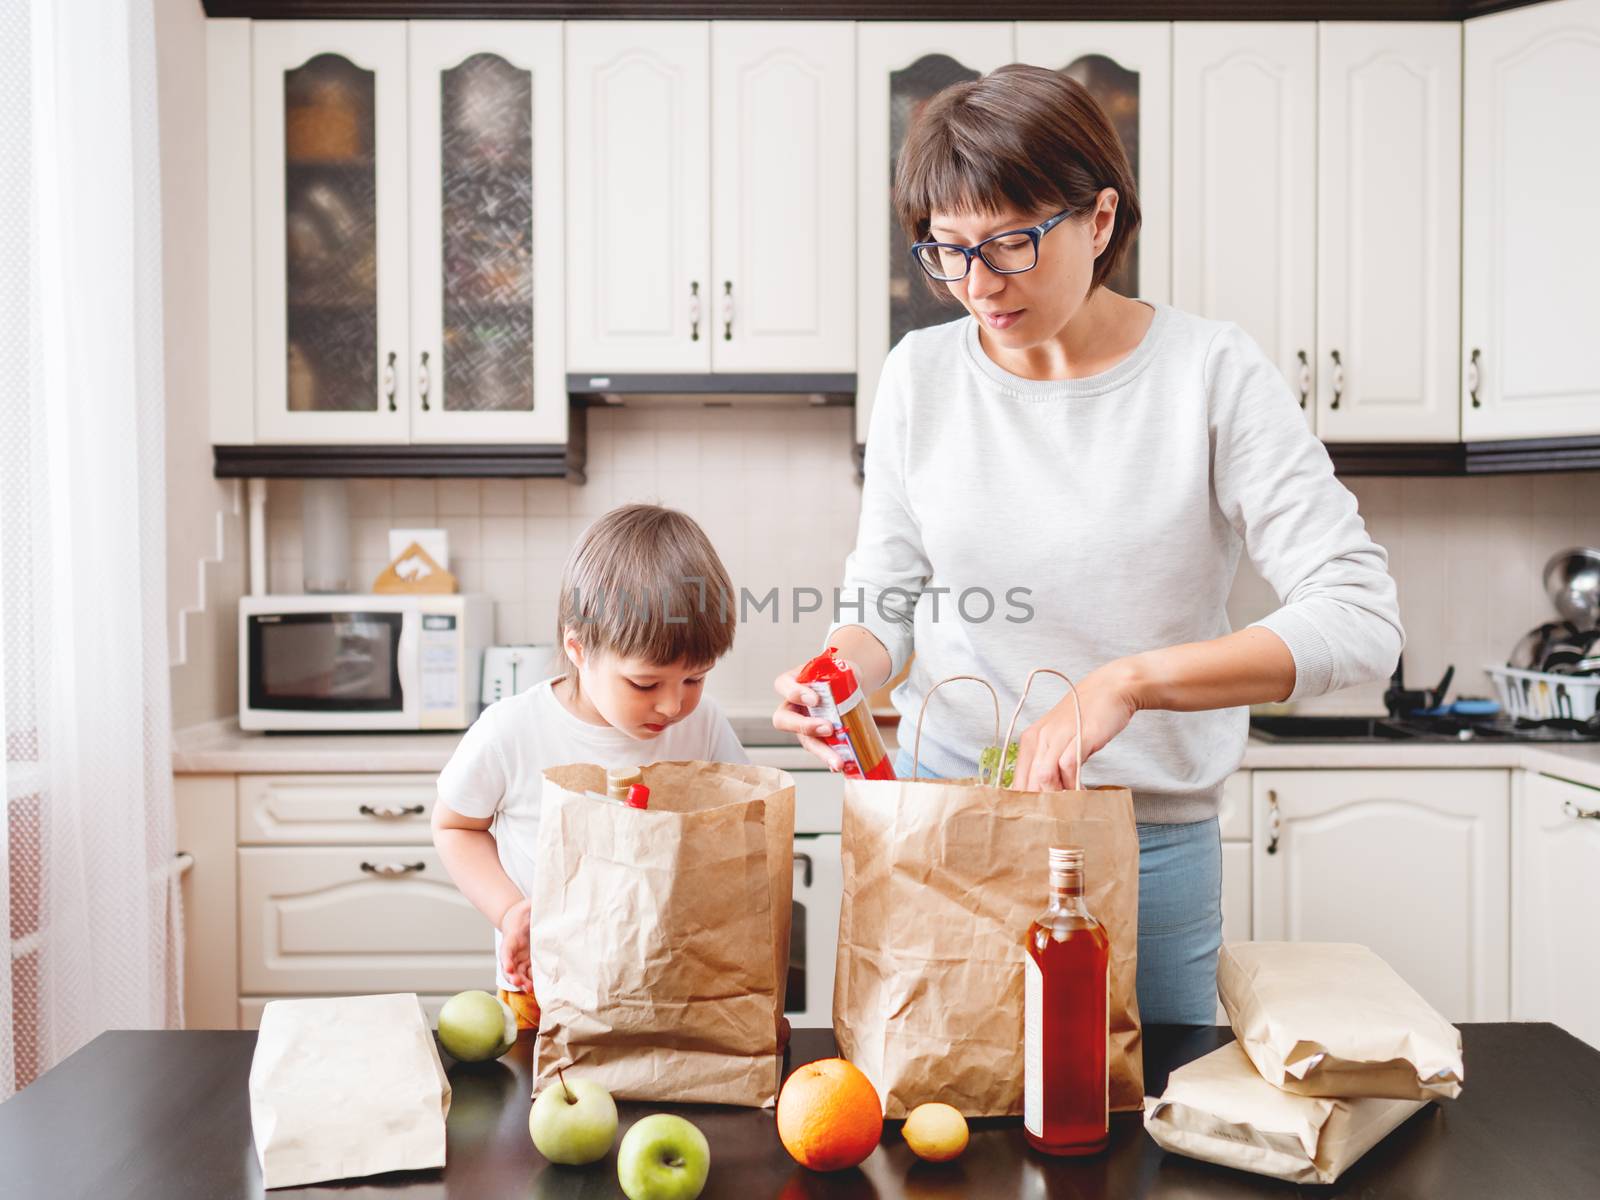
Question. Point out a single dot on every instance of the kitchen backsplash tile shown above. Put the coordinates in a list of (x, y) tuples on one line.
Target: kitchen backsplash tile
[(775, 491)]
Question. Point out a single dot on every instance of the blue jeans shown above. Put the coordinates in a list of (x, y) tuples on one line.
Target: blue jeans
[(1180, 917)]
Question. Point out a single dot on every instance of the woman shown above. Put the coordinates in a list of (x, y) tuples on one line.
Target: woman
[(1112, 458)]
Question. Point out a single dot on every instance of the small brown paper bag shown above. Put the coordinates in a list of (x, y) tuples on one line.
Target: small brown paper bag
[(1219, 1110), (941, 881), (344, 1087), (1329, 1019), (660, 938)]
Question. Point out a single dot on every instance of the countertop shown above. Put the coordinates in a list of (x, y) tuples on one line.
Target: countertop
[(222, 748), (166, 1115)]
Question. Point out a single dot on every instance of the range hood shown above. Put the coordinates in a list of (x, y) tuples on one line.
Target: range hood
[(775, 390)]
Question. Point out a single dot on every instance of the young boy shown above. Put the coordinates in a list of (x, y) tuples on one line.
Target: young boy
[(646, 610)]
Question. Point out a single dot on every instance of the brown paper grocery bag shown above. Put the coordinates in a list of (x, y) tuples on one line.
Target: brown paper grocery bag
[(660, 938), (941, 881), (346, 1086), (1219, 1109), (1334, 1019)]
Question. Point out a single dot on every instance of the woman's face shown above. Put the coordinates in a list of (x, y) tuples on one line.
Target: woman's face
[(1020, 311)]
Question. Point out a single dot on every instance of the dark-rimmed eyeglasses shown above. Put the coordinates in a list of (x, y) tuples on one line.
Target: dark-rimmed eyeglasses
[(1009, 253)]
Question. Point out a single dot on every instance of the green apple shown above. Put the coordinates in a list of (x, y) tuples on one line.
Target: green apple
[(475, 1027), (663, 1157), (573, 1122)]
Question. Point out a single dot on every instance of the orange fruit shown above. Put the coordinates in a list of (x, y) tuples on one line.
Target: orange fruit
[(829, 1115)]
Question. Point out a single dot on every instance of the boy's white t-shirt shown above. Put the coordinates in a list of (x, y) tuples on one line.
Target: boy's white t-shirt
[(497, 770)]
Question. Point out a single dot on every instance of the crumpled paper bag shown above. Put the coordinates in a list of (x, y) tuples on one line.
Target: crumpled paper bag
[(1219, 1109), (344, 1087), (1333, 1019), (660, 938)]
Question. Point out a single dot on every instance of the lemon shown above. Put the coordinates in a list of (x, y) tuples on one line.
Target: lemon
[(935, 1132)]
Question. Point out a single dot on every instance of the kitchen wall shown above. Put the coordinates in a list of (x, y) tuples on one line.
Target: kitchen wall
[(775, 491), (205, 526)]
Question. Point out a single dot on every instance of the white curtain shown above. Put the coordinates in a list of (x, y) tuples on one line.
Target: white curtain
[(88, 894)]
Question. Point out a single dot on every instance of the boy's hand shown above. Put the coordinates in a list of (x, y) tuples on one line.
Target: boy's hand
[(514, 932)]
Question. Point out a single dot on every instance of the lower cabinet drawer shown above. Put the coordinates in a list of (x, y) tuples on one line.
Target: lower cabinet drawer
[(250, 1007), (357, 920)]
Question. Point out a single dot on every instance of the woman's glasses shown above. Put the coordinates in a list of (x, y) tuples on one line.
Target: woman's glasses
[(1009, 253)]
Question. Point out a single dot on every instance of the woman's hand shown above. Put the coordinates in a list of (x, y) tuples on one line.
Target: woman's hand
[(791, 717), (1047, 754), (515, 929)]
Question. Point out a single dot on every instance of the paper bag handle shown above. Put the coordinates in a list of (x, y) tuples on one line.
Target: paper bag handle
[(1077, 708), (916, 745)]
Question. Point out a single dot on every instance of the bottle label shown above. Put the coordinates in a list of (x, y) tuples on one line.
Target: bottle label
[(1033, 1047)]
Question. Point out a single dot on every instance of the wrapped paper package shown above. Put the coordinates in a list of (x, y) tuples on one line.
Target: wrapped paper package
[(1329, 1019), (1219, 1109), (346, 1087), (660, 937)]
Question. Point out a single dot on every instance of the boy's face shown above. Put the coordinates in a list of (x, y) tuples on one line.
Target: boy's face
[(638, 697)]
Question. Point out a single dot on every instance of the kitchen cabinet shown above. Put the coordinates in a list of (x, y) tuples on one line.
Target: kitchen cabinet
[(1244, 132), (1530, 238), (1388, 232), (405, 220), (1413, 863), (711, 197), (1233, 821), (899, 67), (1127, 67), (1555, 894)]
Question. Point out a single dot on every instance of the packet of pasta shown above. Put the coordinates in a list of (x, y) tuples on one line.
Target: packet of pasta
[(843, 705)]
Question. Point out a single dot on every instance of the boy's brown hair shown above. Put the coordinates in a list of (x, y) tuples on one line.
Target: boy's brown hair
[(1021, 133), (645, 582)]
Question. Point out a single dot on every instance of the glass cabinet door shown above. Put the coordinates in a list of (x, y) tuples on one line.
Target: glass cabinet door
[(486, 168), (1126, 66), (330, 213)]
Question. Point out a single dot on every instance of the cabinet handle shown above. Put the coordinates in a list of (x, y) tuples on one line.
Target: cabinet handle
[(1274, 822), (393, 870), (803, 859), (422, 380), (727, 310), (694, 311), (1569, 809), (1305, 378), (389, 381), (1338, 379), (389, 814), (1475, 374)]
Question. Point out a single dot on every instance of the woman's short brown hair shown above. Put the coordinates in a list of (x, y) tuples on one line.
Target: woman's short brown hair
[(1021, 133), (645, 582)]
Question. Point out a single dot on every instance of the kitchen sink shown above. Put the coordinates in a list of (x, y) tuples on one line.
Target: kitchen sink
[(1329, 729)]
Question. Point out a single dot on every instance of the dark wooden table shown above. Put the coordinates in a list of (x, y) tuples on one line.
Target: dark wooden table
[(167, 1116)]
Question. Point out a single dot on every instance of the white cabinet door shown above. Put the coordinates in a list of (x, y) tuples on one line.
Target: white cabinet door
[(354, 809), (251, 1007), (1244, 135), (1530, 238), (783, 196), (330, 231), (899, 65), (638, 196), (1127, 67), (1236, 870), (360, 919), (488, 342), (1555, 895), (1389, 232), (1413, 864)]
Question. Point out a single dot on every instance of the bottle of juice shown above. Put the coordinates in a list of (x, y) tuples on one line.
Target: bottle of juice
[(1066, 1004)]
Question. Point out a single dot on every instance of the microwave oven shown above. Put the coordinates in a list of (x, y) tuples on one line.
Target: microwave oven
[(361, 662)]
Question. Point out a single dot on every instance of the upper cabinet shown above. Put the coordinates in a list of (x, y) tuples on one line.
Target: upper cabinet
[(405, 216), (1530, 305), (711, 197), (1244, 161), (899, 67), (1388, 232)]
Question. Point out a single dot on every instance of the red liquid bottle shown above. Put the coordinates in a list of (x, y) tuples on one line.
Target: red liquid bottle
[(1066, 1002)]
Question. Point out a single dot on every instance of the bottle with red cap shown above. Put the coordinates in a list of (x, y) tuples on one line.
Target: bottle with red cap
[(855, 737)]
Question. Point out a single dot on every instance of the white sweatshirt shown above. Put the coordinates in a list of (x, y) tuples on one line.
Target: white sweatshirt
[(1120, 503)]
